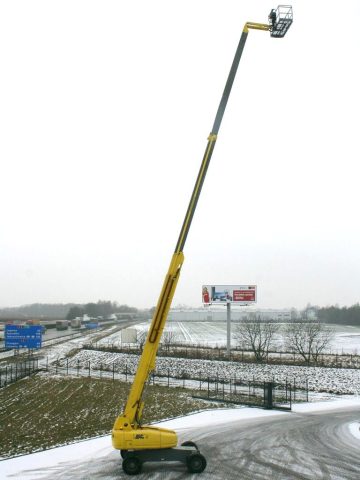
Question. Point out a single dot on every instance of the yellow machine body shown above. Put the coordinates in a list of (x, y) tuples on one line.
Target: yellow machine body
[(142, 438)]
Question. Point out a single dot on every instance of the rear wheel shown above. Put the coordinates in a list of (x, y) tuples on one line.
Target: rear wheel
[(196, 463), (132, 465), (123, 453)]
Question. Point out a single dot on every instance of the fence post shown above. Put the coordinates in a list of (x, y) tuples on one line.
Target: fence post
[(208, 387), (89, 369), (168, 383), (113, 370), (16, 371), (67, 366), (268, 395), (307, 389), (78, 367), (125, 372)]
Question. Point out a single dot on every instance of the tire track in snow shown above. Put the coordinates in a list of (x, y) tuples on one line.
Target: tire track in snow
[(185, 332)]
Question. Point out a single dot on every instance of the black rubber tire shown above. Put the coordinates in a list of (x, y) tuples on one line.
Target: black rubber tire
[(196, 463), (132, 465), (123, 453), (189, 443)]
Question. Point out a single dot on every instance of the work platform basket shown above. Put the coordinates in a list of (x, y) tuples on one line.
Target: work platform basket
[(280, 20)]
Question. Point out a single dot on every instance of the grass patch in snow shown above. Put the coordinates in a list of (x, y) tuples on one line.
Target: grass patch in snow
[(44, 411)]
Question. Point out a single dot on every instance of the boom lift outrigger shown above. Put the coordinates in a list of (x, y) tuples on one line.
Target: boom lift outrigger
[(141, 443)]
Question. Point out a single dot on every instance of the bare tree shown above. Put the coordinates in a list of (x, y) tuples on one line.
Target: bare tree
[(141, 338), (256, 335), (308, 338), (168, 338)]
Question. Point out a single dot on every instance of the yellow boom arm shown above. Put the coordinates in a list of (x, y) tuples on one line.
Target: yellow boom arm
[(127, 433)]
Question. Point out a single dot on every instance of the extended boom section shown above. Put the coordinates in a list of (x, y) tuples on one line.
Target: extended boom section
[(140, 443)]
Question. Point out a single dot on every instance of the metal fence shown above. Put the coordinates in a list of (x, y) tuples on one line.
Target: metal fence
[(15, 371), (214, 388), (253, 393)]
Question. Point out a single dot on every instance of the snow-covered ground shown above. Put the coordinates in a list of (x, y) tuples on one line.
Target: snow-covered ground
[(346, 337), (355, 429), (43, 465), (40, 465), (320, 379)]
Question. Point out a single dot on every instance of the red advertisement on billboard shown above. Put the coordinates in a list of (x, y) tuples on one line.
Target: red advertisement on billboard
[(244, 295)]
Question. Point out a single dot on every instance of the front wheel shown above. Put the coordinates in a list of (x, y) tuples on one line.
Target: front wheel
[(123, 453), (196, 463), (132, 465)]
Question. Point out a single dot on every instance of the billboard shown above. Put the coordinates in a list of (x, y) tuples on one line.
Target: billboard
[(23, 336), (223, 294)]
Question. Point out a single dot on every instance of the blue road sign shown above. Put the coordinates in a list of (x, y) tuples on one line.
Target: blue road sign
[(23, 336)]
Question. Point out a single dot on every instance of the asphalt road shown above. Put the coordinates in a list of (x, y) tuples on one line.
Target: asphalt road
[(316, 446)]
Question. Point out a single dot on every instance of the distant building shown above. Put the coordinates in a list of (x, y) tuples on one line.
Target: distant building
[(212, 315)]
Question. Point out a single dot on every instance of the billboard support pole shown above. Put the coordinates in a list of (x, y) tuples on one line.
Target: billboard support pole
[(228, 332)]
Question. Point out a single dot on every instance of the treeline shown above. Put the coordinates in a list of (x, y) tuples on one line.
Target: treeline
[(102, 308), (37, 310), (343, 316), (64, 310)]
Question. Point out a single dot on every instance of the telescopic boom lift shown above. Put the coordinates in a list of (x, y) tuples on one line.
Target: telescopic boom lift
[(142, 443)]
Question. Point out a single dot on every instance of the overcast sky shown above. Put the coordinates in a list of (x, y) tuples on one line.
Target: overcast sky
[(105, 109)]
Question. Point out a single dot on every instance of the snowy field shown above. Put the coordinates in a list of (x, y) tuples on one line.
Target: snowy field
[(86, 459), (346, 340), (320, 379)]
